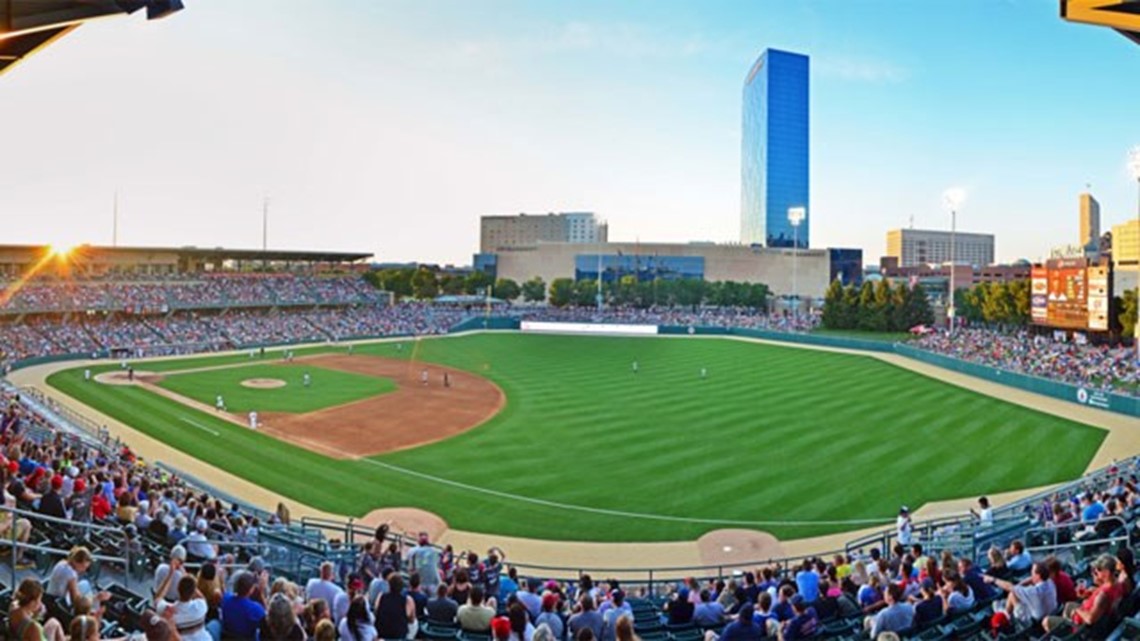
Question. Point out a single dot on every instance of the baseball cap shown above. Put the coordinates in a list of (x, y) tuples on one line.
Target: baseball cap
[(178, 552), (201, 525), (56, 482), (683, 593), (904, 509), (355, 582), (13, 466), (549, 600), (797, 600), (928, 583), (80, 485), (501, 627)]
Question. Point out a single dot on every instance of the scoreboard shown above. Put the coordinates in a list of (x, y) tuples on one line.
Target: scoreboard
[(1070, 293)]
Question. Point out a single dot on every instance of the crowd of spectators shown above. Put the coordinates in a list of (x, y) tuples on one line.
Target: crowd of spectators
[(1102, 367), (188, 332), (159, 294), (743, 317)]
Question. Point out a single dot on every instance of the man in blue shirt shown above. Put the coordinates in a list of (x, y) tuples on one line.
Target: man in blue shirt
[(1018, 559), (807, 583), (804, 624), (241, 615), (897, 616), (709, 613)]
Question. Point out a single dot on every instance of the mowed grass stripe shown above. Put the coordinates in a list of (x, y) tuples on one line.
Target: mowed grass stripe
[(773, 434)]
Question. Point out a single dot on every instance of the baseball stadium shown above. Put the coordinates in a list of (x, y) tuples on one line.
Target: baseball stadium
[(211, 443)]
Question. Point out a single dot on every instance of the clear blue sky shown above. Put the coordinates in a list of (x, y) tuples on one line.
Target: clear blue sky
[(391, 126)]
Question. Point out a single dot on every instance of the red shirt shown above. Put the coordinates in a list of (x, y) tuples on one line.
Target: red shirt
[(1066, 591), (100, 507)]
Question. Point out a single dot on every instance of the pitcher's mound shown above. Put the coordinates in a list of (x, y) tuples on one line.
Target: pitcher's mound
[(408, 520), (738, 546), (263, 383)]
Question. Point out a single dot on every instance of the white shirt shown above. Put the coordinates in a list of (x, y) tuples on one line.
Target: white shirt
[(189, 618), (903, 525), (367, 632), (986, 517), (320, 589)]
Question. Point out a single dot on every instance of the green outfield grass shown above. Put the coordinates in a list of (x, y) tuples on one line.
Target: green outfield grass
[(327, 388), (587, 450)]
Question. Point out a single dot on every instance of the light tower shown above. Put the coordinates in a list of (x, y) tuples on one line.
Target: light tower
[(952, 199), (796, 216), (1134, 169)]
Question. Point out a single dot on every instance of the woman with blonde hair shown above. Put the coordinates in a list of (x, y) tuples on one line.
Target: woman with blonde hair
[(859, 574), (325, 631), (64, 581), (27, 603), (623, 629)]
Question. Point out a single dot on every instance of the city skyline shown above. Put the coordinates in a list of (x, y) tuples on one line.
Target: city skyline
[(401, 123)]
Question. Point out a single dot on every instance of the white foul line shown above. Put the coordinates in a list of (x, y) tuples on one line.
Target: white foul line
[(201, 427)]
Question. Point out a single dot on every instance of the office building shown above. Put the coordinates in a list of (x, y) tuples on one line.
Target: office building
[(1126, 256), (1090, 220), (504, 233), (808, 272), (774, 151), (914, 247)]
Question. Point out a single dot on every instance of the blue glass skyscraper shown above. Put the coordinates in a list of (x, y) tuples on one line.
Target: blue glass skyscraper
[(774, 150)]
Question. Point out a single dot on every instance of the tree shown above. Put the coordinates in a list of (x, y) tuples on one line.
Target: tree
[(424, 284), (1126, 313), (534, 290), (561, 292), (451, 284), (477, 282), (833, 308), (1019, 293), (586, 293), (883, 311), (865, 314), (395, 280), (916, 307), (506, 289)]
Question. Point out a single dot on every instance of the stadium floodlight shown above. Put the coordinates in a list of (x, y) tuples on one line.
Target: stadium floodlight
[(952, 199), (796, 215), (1134, 169)]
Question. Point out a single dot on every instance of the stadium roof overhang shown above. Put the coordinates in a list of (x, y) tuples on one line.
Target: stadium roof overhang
[(26, 26), (1121, 15), (205, 253)]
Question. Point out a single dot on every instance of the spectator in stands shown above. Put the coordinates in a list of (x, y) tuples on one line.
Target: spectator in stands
[(929, 608), (493, 570), (549, 616), (1032, 599), (323, 587), (985, 513), (1098, 603), (475, 616), (8, 520), (27, 603), (396, 611), (198, 547), (51, 503), (807, 582), (709, 613), (241, 615), (870, 596), (211, 584), (623, 631), (325, 631), (442, 609), (521, 629), (280, 623), (425, 562), (617, 610), (357, 625), (679, 608), (805, 622), (190, 610), (587, 617), (369, 564), (744, 628), (956, 594), (529, 598), (1017, 559), (168, 575), (898, 615), (343, 598), (998, 568), (65, 582)]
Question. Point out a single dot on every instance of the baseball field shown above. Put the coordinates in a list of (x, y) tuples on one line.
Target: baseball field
[(558, 437)]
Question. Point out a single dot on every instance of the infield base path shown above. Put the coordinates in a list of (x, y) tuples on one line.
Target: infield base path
[(413, 415)]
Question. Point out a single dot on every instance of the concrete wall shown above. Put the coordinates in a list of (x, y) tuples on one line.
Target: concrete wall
[(773, 267)]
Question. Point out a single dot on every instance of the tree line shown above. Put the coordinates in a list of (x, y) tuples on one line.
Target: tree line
[(876, 307), (424, 283)]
